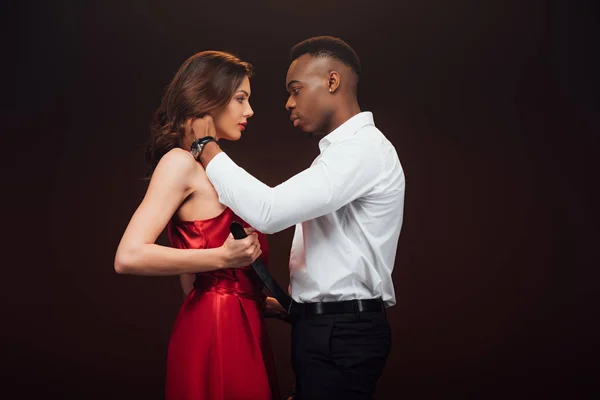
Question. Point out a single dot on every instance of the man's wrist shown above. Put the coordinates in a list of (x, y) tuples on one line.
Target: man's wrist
[(198, 146), (210, 150)]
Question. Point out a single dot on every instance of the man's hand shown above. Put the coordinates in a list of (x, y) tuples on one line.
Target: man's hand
[(273, 306), (202, 127), (273, 309)]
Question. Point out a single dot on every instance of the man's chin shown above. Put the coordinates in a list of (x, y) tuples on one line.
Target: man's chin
[(308, 132)]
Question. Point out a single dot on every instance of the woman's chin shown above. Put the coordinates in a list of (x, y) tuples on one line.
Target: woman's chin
[(233, 136)]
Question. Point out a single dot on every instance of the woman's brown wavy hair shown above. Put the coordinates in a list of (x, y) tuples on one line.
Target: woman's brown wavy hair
[(205, 83)]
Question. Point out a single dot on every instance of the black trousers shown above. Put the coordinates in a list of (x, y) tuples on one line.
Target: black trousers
[(339, 356)]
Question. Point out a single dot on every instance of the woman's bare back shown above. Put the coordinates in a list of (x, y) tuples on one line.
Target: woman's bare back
[(203, 201)]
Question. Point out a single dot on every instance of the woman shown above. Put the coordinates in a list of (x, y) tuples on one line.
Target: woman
[(219, 347)]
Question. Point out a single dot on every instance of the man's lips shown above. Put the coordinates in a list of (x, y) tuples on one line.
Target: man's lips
[(295, 120)]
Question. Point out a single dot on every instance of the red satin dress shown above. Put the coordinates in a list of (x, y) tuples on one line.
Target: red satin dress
[(219, 347)]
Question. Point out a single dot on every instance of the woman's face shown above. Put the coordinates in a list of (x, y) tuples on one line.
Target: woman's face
[(231, 121)]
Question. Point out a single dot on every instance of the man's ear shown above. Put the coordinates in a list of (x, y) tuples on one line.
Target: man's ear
[(333, 82)]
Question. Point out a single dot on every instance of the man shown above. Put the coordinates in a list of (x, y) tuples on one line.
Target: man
[(348, 211)]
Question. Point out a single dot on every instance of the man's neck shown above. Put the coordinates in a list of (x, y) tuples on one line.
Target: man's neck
[(343, 114)]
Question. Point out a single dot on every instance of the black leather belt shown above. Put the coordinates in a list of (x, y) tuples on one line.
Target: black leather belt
[(238, 232), (336, 307)]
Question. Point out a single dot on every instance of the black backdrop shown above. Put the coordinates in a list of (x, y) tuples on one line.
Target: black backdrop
[(494, 113)]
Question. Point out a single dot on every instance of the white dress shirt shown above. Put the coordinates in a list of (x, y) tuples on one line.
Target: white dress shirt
[(347, 207)]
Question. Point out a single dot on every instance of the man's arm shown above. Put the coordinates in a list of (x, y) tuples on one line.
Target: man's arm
[(211, 149), (344, 172)]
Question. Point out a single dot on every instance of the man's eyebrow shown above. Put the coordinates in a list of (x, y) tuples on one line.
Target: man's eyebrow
[(290, 83)]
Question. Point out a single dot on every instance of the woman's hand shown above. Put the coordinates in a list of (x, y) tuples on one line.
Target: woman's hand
[(241, 252)]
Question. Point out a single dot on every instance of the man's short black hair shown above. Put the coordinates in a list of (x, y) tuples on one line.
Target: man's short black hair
[(328, 46)]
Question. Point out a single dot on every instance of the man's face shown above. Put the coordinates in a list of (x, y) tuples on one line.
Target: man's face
[(309, 102)]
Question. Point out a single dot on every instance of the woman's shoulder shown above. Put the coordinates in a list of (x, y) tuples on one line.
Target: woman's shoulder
[(179, 156), (178, 165), (177, 160)]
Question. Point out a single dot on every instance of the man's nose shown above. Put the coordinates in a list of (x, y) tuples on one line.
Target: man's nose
[(290, 104)]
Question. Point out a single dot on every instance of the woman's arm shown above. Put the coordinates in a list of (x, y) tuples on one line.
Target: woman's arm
[(138, 254)]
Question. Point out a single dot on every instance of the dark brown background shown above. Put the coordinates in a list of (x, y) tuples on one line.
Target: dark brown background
[(493, 109)]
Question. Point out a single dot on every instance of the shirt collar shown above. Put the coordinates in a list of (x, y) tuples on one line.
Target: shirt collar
[(347, 129)]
